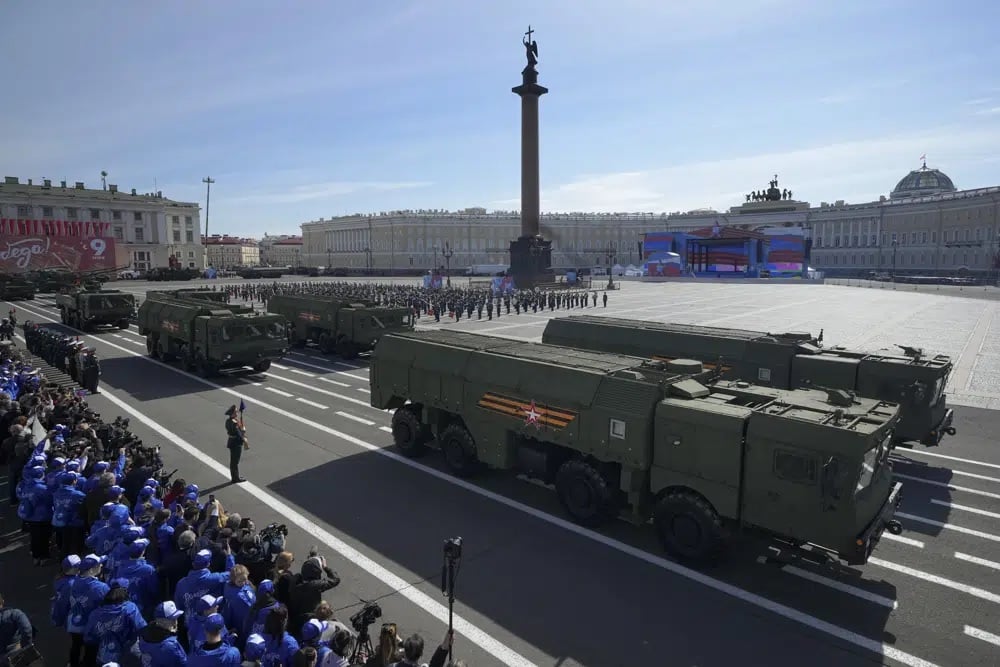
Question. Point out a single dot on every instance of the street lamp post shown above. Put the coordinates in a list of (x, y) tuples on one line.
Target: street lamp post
[(611, 269), (369, 264), (208, 180), (895, 245), (447, 253)]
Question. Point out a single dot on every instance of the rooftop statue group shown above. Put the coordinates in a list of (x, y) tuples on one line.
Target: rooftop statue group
[(771, 194), (531, 48)]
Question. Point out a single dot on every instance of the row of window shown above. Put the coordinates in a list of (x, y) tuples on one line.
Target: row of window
[(957, 258), (72, 213), (914, 238)]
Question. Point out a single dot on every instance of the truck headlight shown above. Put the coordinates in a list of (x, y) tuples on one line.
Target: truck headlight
[(227, 357)]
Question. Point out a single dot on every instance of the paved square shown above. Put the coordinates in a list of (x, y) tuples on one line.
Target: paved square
[(966, 329)]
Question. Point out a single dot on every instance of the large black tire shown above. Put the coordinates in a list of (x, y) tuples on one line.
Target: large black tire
[(459, 450), (123, 324), (584, 493), (151, 346), (204, 368), (262, 366), (325, 343), (346, 349), (161, 351), (688, 526), (408, 434)]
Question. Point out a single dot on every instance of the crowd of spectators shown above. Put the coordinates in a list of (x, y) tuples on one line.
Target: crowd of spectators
[(149, 572)]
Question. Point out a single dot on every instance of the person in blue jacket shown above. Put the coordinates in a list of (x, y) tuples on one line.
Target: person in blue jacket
[(200, 581), (143, 583), (28, 476), (56, 467), (281, 646), (114, 626), (205, 606), (35, 509), (254, 650), (261, 608), (95, 476), (85, 596), (312, 633), (240, 598), (214, 652), (62, 586), (119, 552), (158, 643), (102, 534), (66, 516)]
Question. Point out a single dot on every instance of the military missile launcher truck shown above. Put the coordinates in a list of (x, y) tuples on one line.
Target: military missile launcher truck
[(782, 360), (209, 337), (87, 309), (194, 293), (336, 325), (648, 439)]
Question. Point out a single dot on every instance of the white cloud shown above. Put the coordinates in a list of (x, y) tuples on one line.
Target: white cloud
[(322, 191), (988, 112), (855, 171), (979, 101)]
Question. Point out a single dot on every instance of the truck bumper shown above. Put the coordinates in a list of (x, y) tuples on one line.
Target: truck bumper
[(933, 439), (866, 541)]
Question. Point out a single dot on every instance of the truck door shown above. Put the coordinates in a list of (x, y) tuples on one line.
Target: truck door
[(200, 342)]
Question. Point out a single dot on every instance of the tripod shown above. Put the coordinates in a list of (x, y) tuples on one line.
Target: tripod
[(363, 648)]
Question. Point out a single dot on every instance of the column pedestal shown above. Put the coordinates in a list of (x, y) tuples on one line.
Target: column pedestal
[(531, 262)]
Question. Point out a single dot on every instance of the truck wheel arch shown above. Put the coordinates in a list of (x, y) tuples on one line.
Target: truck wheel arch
[(688, 525)]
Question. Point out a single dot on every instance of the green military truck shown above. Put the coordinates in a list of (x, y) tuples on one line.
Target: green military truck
[(782, 360), (648, 439), (208, 337), (15, 288), (336, 325), (87, 309), (194, 293)]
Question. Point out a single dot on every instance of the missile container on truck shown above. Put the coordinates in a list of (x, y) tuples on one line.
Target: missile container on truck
[(781, 360), (337, 325), (15, 287), (208, 337), (87, 309), (702, 457), (194, 293)]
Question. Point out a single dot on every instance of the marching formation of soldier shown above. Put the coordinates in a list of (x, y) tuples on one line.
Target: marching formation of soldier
[(67, 353)]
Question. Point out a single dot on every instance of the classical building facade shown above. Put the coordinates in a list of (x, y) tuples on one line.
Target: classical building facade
[(281, 250), (925, 225), (229, 252), (148, 228)]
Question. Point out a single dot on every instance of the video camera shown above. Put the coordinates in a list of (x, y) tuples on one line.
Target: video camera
[(370, 613)]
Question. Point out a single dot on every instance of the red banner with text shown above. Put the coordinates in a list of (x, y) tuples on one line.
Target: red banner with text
[(30, 245)]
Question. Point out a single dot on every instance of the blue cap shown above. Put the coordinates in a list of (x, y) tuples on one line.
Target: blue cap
[(193, 497), (202, 558), (71, 562), (192, 488), (58, 462), (38, 459), (265, 586), (133, 533), (67, 478), (314, 628), (146, 492), (168, 610), (36, 471), (73, 464), (101, 466), (255, 647), (164, 531), (106, 510), (138, 547), (206, 602), (214, 623), (151, 483), (91, 561), (120, 582), (116, 491)]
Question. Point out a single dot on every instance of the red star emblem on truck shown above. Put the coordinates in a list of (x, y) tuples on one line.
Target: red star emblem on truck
[(531, 415), (172, 327), (312, 317)]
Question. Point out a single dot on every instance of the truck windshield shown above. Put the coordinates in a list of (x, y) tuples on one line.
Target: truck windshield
[(253, 331)]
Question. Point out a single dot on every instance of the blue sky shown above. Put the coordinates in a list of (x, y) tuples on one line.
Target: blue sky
[(302, 110)]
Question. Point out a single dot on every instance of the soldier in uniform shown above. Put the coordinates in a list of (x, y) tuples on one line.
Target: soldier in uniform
[(90, 370), (236, 442)]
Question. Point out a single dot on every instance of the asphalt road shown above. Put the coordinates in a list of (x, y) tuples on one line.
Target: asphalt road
[(534, 589)]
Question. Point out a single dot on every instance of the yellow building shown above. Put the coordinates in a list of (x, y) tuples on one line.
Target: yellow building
[(228, 252)]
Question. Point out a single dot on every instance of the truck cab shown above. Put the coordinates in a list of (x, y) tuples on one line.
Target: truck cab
[(239, 340)]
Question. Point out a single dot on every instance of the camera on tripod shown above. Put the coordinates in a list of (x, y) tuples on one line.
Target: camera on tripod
[(370, 613)]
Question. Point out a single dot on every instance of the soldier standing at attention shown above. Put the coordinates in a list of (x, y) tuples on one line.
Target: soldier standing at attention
[(605, 297), (236, 442)]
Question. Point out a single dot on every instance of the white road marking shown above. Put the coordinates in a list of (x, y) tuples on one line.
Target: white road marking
[(978, 561), (362, 389), (118, 335), (349, 399), (284, 368), (279, 392), (385, 428), (982, 634), (935, 579), (321, 358), (312, 403), (950, 526), (503, 653), (296, 370), (834, 584), (348, 415), (339, 384), (873, 645), (327, 369), (964, 508), (973, 475), (950, 487), (922, 452), (902, 540)]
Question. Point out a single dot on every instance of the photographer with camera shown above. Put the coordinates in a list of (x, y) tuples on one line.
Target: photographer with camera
[(307, 588)]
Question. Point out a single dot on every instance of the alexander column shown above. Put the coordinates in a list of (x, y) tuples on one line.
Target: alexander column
[(530, 254)]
